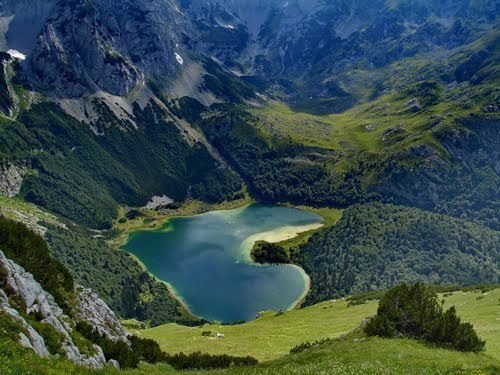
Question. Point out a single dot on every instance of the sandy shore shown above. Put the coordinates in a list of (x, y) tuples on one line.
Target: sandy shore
[(279, 235), (282, 233)]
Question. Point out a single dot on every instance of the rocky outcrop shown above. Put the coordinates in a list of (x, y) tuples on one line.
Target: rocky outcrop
[(29, 338), (11, 179), (94, 311), (107, 45), (34, 300), (21, 21)]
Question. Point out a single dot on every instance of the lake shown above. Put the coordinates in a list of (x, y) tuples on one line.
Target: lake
[(206, 260)]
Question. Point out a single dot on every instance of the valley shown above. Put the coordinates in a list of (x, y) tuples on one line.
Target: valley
[(249, 186)]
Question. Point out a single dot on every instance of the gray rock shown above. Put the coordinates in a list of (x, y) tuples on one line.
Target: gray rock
[(24, 341), (108, 46), (11, 179), (413, 105), (94, 311), (36, 299), (114, 363)]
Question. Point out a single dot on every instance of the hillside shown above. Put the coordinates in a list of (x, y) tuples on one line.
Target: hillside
[(374, 245), (273, 335), (351, 353)]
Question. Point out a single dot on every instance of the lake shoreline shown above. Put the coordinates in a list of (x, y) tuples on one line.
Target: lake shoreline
[(282, 234), (171, 290), (278, 234)]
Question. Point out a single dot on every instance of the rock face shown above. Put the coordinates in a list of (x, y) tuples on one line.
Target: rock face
[(80, 47), (11, 179), (94, 311), (21, 21), (107, 45), (312, 42), (35, 300)]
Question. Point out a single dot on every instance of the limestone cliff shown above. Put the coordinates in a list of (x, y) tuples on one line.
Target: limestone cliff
[(26, 302)]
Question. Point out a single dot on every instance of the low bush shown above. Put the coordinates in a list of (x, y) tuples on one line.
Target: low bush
[(308, 345), (414, 311), (198, 361), (30, 251)]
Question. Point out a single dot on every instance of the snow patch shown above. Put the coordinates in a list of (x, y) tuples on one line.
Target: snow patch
[(223, 24), (180, 60), (16, 54)]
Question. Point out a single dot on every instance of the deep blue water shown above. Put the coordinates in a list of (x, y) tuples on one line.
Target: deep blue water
[(205, 259)]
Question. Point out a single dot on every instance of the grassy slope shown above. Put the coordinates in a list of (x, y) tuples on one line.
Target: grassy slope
[(359, 355), (18, 209), (353, 354), (383, 124), (482, 310), (272, 336)]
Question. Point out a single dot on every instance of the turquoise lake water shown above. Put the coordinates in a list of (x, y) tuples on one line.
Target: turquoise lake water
[(205, 259)]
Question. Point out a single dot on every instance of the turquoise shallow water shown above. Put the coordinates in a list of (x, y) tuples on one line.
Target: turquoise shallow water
[(205, 260)]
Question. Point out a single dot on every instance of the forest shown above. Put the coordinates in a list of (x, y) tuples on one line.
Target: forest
[(118, 279), (375, 246)]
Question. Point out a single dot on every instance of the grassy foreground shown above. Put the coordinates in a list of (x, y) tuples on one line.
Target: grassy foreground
[(273, 335)]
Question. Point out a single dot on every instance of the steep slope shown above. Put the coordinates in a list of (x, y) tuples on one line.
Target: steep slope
[(47, 322), (21, 21), (375, 246), (308, 47), (85, 46), (95, 173), (117, 278)]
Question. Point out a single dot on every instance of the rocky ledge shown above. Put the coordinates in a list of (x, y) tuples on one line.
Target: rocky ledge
[(21, 295)]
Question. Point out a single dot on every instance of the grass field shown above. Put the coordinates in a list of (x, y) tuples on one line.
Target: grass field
[(272, 336), (482, 310)]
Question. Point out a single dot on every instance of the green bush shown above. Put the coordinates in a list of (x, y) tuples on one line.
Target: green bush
[(308, 345), (265, 252), (414, 311), (147, 350), (449, 331), (30, 251), (198, 361)]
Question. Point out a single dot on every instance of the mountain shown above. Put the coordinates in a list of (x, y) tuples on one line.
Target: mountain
[(386, 109)]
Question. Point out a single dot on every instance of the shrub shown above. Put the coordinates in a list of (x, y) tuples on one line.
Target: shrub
[(140, 349), (414, 311), (307, 345), (147, 350), (31, 252), (198, 361), (450, 332), (117, 350)]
